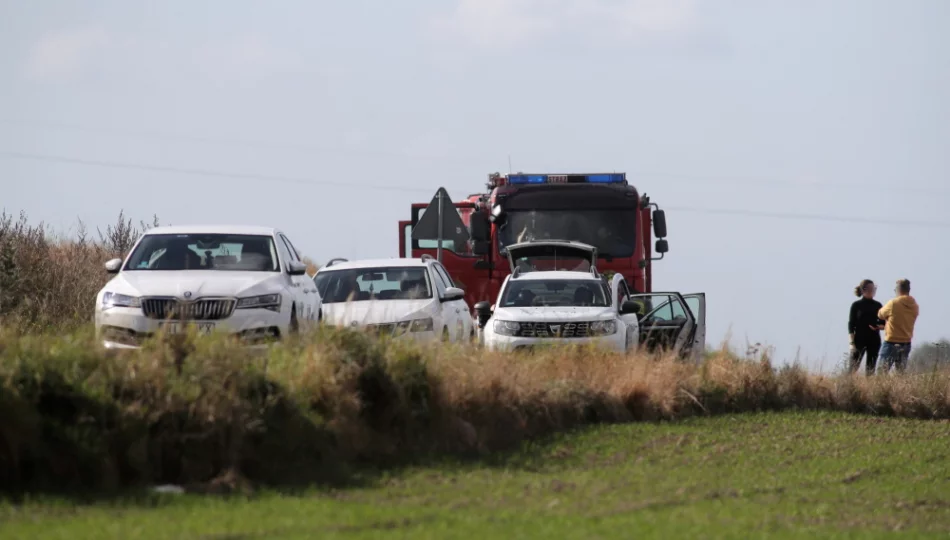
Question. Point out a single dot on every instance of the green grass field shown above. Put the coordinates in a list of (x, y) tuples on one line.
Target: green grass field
[(780, 475)]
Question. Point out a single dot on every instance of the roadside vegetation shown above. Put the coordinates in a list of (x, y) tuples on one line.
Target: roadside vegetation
[(376, 425), (199, 410)]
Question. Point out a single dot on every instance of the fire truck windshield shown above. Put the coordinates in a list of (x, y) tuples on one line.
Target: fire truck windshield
[(612, 232)]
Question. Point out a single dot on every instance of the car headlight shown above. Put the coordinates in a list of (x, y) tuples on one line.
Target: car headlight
[(113, 300), (506, 328), (414, 325), (603, 328), (264, 301)]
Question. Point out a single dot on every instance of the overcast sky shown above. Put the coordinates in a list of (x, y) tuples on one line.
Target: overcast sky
[(328, 119)]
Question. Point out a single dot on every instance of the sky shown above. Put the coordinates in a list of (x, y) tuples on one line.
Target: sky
[(798, 146)]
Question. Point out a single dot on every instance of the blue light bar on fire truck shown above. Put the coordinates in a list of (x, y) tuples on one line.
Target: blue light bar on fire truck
[(605, 178)]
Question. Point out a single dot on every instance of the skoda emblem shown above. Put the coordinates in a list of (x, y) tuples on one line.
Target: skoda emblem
[(187, 294)]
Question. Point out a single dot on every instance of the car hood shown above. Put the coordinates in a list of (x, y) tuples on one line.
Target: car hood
[(555, 314), (200, 283), (375, 311)]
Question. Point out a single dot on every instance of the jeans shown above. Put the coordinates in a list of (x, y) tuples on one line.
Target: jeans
[(895, 354)]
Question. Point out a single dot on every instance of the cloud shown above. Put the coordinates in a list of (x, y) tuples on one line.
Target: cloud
[(502, 24), (246, 55), (66, 53)]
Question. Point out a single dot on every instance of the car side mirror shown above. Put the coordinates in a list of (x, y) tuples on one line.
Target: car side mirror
[(453, 293), (480, 227), (659, 223), (483, 312), (113, 266), (296, 268), (630, 307)]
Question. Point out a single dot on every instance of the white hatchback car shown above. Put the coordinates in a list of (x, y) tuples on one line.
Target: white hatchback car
[(248, 281), (401, 297), (557, 306)]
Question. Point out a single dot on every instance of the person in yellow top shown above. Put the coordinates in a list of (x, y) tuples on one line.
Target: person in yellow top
[(899, 314)]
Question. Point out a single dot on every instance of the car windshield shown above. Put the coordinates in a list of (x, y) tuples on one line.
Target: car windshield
[(612, 232), (238, 252), (555, 292), (361, 284)]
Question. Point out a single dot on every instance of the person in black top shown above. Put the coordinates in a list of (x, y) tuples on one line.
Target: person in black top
[(864, 328)]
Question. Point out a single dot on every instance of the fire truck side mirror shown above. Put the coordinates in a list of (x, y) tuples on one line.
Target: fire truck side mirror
[(480, 247), (662, 246), (483, 312), (659, 224), (480, 226)]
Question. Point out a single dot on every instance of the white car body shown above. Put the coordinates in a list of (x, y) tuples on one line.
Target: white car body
[(440, 312), (513, 327), (641, 320), (267, 297)]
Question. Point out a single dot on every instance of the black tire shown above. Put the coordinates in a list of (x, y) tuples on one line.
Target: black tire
[(445, 335)]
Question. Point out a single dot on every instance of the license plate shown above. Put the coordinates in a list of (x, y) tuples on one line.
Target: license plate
[(177, 328)]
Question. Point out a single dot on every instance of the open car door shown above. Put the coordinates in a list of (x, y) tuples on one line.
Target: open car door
[(666, 323), (551, 255), (697, 305)]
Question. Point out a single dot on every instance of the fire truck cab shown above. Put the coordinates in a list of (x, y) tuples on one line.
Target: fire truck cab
[(602, 210)]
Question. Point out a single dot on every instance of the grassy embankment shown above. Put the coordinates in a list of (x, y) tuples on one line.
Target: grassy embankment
[(334, 407)]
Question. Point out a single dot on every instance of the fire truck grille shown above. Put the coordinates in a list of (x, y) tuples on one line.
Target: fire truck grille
[(206, 309), (555, 330)]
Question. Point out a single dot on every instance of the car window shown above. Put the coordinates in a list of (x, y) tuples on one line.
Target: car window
[(622, 293), (446, 278), (555, 292), (237, 252), (383, 283), (664, 307), (290, 248)]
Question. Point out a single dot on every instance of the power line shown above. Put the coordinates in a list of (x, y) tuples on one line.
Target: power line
[(705, 180), (297, 147), (202, 172), (810, 217), (311, 181)]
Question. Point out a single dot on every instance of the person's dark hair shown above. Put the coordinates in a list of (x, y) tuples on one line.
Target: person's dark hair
[(865, 283), (903, 285)]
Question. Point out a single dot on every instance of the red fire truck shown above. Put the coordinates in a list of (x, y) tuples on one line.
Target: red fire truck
[(600, 209)]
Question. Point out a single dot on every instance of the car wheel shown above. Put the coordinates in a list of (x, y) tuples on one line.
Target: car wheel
[(445, 335)]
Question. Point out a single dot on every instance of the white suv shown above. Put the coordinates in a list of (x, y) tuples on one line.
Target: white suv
[(401, 297), (248, 281), (570, 303)]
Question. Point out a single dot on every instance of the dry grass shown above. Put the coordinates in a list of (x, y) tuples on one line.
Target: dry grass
[(80, 416), (76, 416), (50, 280)]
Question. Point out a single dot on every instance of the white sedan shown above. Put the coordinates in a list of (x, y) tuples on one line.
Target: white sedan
[(247, 281), (412, 298)]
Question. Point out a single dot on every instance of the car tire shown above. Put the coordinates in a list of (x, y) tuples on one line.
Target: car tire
[(445, 335)]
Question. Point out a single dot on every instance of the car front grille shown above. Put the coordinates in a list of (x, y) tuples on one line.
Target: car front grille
[(555, 330), (203, 309)]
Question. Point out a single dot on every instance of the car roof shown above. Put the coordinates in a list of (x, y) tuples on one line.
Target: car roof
[(213, 229), (557, 275), (376, 263)]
